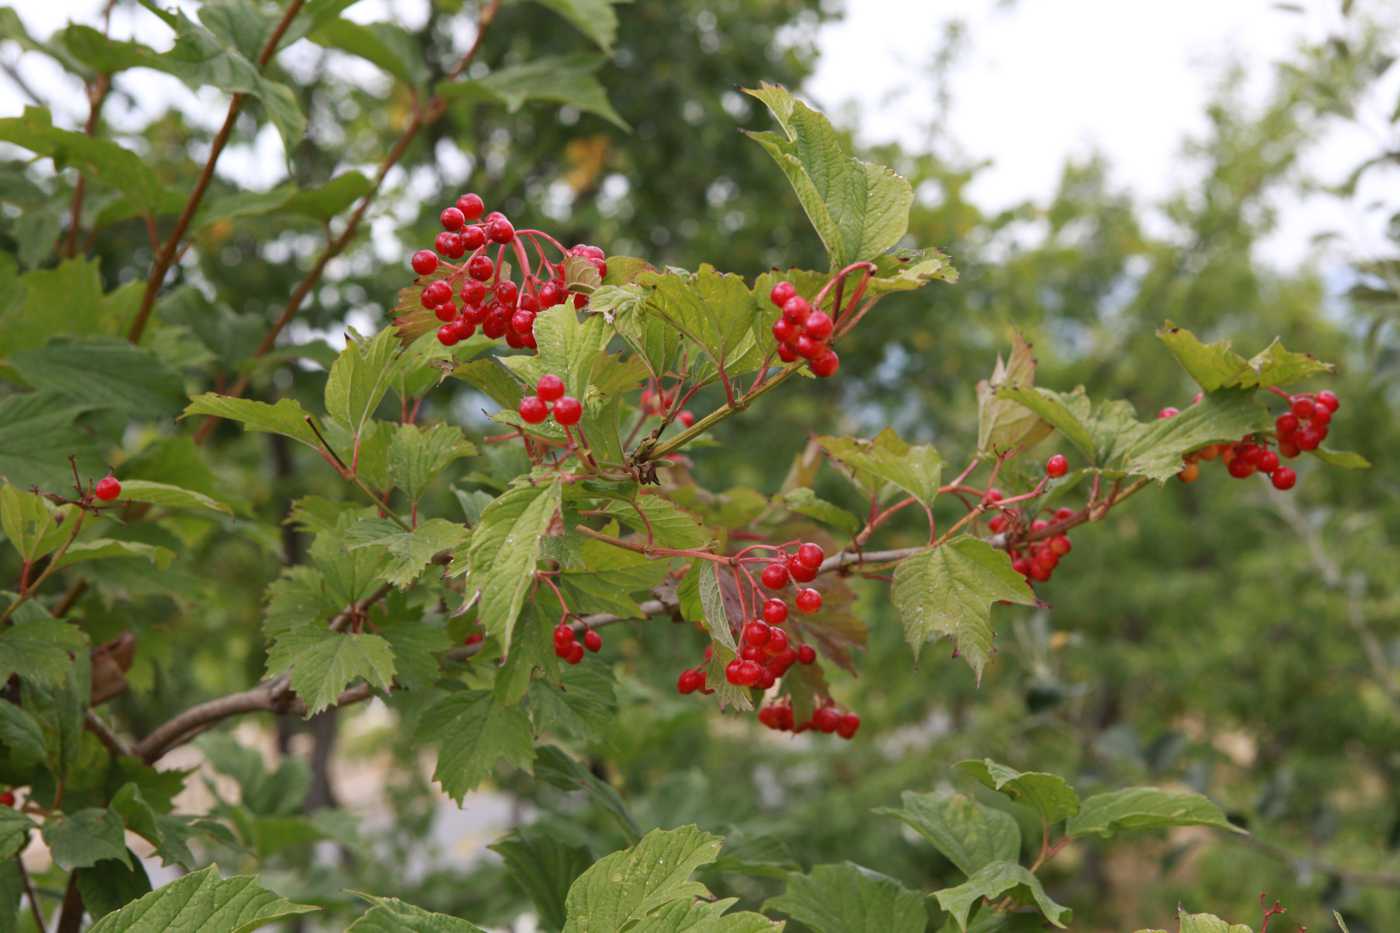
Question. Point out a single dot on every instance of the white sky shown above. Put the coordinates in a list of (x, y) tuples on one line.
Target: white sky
[(1038, 81)]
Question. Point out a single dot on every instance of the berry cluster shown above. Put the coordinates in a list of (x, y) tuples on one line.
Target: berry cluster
[(549, 391), (803, 332), (658, 401), (567, 647), (1303, 427), (778, 716), (489, 297), (1034, 558), (765, 653)]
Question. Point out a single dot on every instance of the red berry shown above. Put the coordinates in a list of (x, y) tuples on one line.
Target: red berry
[(532, 409), (550, 387), (592, 641), (732, 674), (500, 231), (7, 799), (997, 524), (1056, 466), (452, 219), (473, 238), (424, 262), (775, 611), (1288, 448), (1168, 412), (1309, 438), (826, 719), (808, 600), (1283, 478), (777, 641), (522, 322), (445, 312), (818, 325), (1286, 425), (1329, 399), (826, 363), (782, 293), (686, 417), (481, 268), (1322, 415), (1240, 467), (749, 673), (806, 347), (1060, 545), (1267, 462), (435, 293), (1040, 571), (108, 488), (786, 353), (575, 654), (507, 293), (796, 309), (800, 571), (848, 725), (774, 576), (1302, 406), (471, 206), (806, 654), (550, 295), (689, 681), (568, 410), (784, 330), (756, 633), (473, 292), (751, 653), (1064, 513), (810, 555)]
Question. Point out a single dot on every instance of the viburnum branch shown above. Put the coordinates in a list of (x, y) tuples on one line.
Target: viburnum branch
[(97, 96), (39, 922), (334, 247), (27, 592), (166, 257), (653, 450)]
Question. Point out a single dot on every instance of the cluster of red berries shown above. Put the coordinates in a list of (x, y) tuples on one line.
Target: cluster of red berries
[(107, 488), (765, 653), (549, 391), (803, 331), (828, 719), (499, 306), (567, 647), (1303, 427), (1032, 559)]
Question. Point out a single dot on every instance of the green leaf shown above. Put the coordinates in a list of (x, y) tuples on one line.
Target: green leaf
[(472, 733), (805, 502), (606, 577), (714, 309), (1207, 923), (712, 600), (409, 551), (140, 490), (556, 768), (386, 45), (109, 884), (1344, 459), (622, 888), (20, 735), (200, 57), (1144, 808), (323, 663), (704, 917), (360, 378), (1004, 424), (848, 898), (101, 160), (103, 372), (14, 829), (1216, 366), (858, 209), (969, 834), (582, 706), (505, 547), (202, 902), (85, 838), (993, 881), (37, 437), (417, 455), (33, 526), (1065, 412), (949, 591), (916, 470), (391, 915), (1227, 415), (670, 525), (567, 80), (544, 866), (594, 18), (106, 548), (330, 199), (1048, 794), (287, 417), (38, 649)]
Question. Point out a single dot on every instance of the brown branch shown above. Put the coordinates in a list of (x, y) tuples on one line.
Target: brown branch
[(171, 248), (115, 743), (97, 96), (35, 909), (336, 245)]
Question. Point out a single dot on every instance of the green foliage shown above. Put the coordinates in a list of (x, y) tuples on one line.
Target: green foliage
[(205, 902), (847, 897)]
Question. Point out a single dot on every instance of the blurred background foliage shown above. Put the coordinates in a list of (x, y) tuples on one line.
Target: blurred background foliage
[(1217, 635)]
